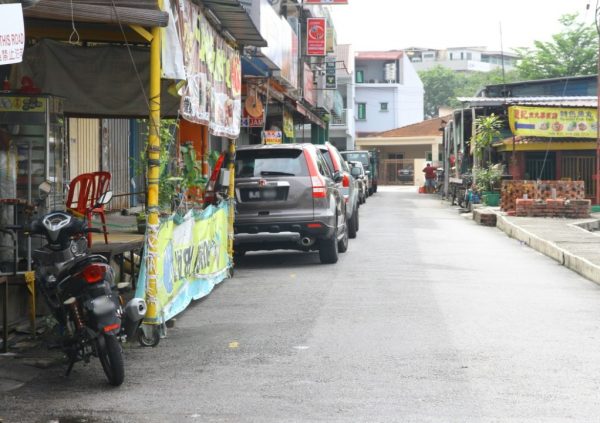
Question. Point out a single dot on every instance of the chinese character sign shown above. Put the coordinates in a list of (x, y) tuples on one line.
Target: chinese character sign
[(12, 33), (316, 34), (553, 122)]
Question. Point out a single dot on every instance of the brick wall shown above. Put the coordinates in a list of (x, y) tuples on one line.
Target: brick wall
[(513, 190), (574, 209)]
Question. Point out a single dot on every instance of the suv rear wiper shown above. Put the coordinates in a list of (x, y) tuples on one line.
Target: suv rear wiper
[(275, 173)]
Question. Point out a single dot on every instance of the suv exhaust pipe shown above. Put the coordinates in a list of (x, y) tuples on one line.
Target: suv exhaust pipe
[(307, 241)]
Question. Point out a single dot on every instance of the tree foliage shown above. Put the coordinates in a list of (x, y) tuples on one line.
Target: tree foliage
[(443, 86), (572, 52)]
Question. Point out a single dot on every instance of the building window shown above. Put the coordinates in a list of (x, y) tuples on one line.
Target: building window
[(469, 56), (362, 111), (360, 76), (383, 107)]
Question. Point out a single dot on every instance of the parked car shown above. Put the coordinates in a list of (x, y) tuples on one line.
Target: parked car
[(358, 173), (348, 185), (287, 198), (406, 175), (364, 157)]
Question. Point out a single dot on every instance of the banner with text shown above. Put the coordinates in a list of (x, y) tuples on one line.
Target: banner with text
[(553, 122), (12, 33), (316, 36), (192, 258)]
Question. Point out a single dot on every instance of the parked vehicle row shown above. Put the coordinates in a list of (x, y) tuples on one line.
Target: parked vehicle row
[(296, 196)]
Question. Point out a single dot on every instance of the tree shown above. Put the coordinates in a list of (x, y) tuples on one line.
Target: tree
[(572, 52), (442, 86)]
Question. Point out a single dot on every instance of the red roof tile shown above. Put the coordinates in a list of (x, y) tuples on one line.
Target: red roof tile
[(426, 128), (379, 55)]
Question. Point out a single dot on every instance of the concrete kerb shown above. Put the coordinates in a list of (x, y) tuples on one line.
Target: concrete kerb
[(578, 264)]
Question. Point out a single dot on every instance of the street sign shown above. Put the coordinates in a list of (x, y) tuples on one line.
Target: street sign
[(330, 76), (12, 33), (316, 36)]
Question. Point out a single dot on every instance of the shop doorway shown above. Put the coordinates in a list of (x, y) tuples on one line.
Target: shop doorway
[(540, 166), (580, 168)]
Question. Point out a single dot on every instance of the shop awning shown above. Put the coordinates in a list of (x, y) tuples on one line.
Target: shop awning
[(310, 115), (126, 12), (234, 19)]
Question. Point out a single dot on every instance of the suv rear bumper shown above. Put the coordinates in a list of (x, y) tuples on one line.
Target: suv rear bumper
[(306, 229)]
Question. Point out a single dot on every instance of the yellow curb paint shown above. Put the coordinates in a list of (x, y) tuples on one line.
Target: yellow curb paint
[(234, 345)]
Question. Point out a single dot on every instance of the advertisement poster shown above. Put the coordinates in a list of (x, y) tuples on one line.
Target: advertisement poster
[(272, 137), (192, 258), (316, 36), (212, 95), (309, 86), (288, 124), (12, 33), (553, 122)]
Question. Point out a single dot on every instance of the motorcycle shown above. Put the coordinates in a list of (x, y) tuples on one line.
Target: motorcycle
[(80, 290)]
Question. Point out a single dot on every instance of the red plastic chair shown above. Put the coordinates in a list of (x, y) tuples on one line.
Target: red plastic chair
[(102, 186), (80, 196)]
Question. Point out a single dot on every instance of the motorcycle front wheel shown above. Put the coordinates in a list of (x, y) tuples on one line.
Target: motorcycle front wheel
[(111, 358)]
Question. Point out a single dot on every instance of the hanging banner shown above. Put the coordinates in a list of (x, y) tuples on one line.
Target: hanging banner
[(309, 85), (191, 259), (12, 33), (288, 124), (212, 95), (272, 137), (553, 122), (316, 31)]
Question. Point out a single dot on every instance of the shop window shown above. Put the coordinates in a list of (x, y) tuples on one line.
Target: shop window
[(362, 111)]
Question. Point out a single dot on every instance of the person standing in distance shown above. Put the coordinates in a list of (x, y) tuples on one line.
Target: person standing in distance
[(430, 177)]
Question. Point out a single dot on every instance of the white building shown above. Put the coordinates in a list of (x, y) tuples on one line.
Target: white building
[(464, 59), (389, 92), (342, 126)]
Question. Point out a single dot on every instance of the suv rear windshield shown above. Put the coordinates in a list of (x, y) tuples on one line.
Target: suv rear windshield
[(270, 162), (357, 157)]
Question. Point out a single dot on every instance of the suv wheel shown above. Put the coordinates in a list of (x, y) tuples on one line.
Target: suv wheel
[(328, 249), (343, 243), (353, 224)]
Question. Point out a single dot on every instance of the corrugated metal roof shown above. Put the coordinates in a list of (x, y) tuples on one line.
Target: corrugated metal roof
[(591, 101), (236, 20)]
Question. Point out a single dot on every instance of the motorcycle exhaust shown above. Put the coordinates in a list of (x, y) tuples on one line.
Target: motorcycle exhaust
[(135, 311)]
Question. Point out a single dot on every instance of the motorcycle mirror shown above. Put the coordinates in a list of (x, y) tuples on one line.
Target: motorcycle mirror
[(45, 188), (105, 198)]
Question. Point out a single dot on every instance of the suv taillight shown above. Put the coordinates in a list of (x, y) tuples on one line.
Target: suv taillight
[(346, 181), (94, 272), (319, 190)]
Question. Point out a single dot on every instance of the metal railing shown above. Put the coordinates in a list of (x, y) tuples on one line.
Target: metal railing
[(340, 120)]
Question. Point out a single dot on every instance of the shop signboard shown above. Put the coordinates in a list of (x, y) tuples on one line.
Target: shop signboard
[(191, 259), (331, 39), (270, 29), (553, 122), (309, 87), (251, 121), (330, 76), (272, 137), (316, 36), (289, 54), (325, 2), (212, 95), (12, 33)]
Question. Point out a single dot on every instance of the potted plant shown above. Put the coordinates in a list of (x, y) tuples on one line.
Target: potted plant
[(487, 181)]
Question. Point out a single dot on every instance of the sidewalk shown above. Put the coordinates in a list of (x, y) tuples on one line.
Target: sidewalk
[(568, 241)]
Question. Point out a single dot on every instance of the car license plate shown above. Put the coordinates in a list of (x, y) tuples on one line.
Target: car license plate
[(262, 195)]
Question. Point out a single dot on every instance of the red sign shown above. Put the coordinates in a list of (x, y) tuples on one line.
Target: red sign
[(316, 37), (325, 1), (309, 88)]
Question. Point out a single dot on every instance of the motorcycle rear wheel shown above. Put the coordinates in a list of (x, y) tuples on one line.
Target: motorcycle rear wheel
[(111, 358)]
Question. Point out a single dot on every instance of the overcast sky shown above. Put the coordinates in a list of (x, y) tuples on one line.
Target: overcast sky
[(397, 24)]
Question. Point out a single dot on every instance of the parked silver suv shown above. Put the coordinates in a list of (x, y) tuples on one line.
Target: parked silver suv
[(287, 198)]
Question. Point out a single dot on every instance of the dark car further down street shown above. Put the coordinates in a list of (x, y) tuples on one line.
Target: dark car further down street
[(348, 186), (287, 198)]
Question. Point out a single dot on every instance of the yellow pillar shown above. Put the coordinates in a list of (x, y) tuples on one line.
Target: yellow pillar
[(153, 154), (231, 194)]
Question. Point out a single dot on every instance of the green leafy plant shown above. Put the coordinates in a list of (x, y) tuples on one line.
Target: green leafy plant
[(488, 178), (487, 129)]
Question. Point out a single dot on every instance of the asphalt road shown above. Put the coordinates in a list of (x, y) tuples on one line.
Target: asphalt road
[(427, 318)]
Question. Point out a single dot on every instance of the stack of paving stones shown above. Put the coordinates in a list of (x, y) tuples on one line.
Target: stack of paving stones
[(513, 190), (574, 209), (484, 217)]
